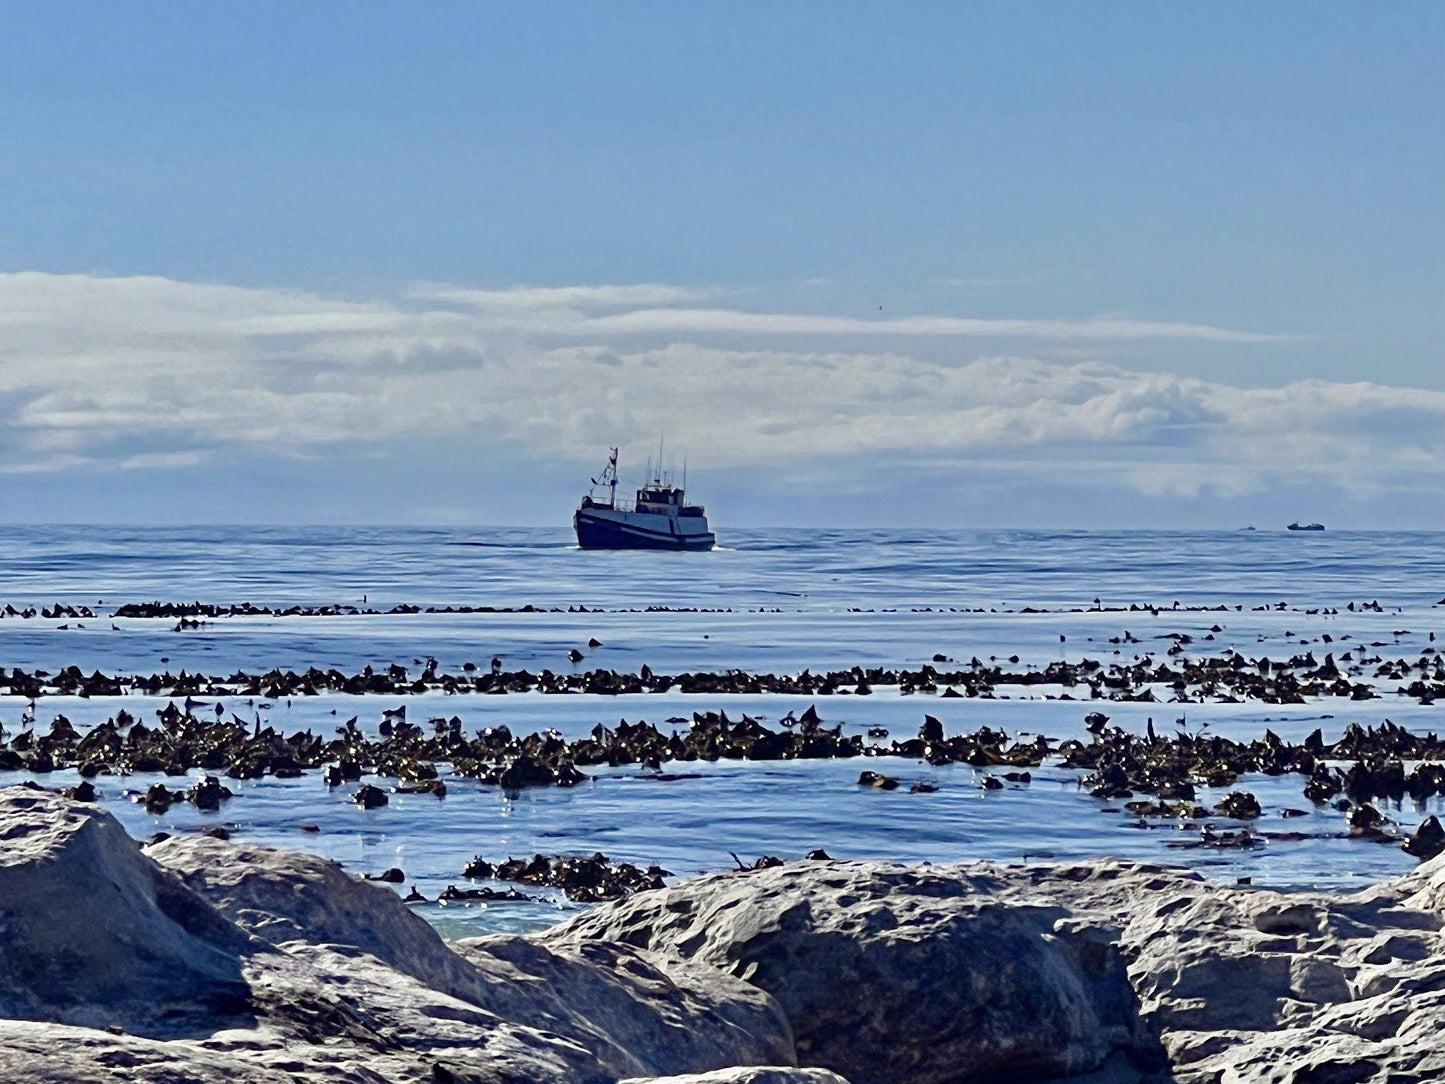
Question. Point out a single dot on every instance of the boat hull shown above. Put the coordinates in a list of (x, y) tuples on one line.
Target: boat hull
[(606, 529)]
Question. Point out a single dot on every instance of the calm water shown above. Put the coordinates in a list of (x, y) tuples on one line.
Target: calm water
[(794, 600)]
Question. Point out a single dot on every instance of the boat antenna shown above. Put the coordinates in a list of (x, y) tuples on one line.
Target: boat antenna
[(684, 470), (659, 456)]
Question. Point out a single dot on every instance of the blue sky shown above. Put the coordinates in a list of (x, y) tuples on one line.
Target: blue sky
[(1037, 264)]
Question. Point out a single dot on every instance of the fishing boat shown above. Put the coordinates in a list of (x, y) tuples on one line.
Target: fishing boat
[(1297, 526), (659, 518)]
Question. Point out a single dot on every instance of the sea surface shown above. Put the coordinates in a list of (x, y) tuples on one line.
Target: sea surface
[(779, 601)]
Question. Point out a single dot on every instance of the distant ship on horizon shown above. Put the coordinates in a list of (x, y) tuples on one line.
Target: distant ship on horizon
[(1298, 526), (659, 518)]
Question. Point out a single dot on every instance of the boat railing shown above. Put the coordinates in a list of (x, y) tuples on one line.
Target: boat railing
[(620, 504)]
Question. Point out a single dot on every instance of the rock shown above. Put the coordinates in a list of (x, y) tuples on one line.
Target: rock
[(751, 1075), (283, 896), (113, 969), (636, 1013), (876, 965), (891, 973), (1239, 805), (1428, 840), (95, 934), (369, 797), (639, 1012), (58, 1054), (204, 960)]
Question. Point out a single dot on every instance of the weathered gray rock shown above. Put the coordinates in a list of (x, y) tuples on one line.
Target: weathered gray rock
[(640, 1012), (91, 933), (1239, 985), (636, 1012), (893, 973), (753, 1075), (207, 961), (282, 896), (1265, 986), (329, 980), (40, 1053)]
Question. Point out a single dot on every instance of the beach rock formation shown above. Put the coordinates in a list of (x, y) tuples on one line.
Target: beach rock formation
[(989, 972), (633, 1014), (209, 960), (205, 960), (92, 934), (893, 973), (283, 896)]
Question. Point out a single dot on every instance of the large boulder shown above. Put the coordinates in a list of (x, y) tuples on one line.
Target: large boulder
[(209, 961), (893, 973), (282, 896), (1313, 988), (640, 1012), (636, 1012), (92, 933), (982, 972)]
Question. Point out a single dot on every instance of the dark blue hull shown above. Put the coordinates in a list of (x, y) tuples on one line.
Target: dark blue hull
[(596, 533)]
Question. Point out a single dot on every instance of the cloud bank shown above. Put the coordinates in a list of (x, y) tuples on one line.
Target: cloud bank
[(154, 373)]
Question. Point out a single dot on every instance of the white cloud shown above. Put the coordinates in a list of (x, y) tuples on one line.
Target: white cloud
[(555, 297), (148, 372), (730, 321)]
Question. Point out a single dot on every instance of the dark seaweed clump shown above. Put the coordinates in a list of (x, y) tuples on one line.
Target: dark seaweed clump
[(584, 879)]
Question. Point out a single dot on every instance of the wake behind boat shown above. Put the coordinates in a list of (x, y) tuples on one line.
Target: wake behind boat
[(658, 519)]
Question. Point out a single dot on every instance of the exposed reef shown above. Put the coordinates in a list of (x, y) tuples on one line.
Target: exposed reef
[(1229, 677), (170, 610), (1154, 775)]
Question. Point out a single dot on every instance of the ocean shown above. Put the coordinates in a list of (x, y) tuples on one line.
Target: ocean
[(773, 601)]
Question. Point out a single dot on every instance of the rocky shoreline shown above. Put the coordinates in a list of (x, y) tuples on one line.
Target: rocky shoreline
[(208, 960)]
